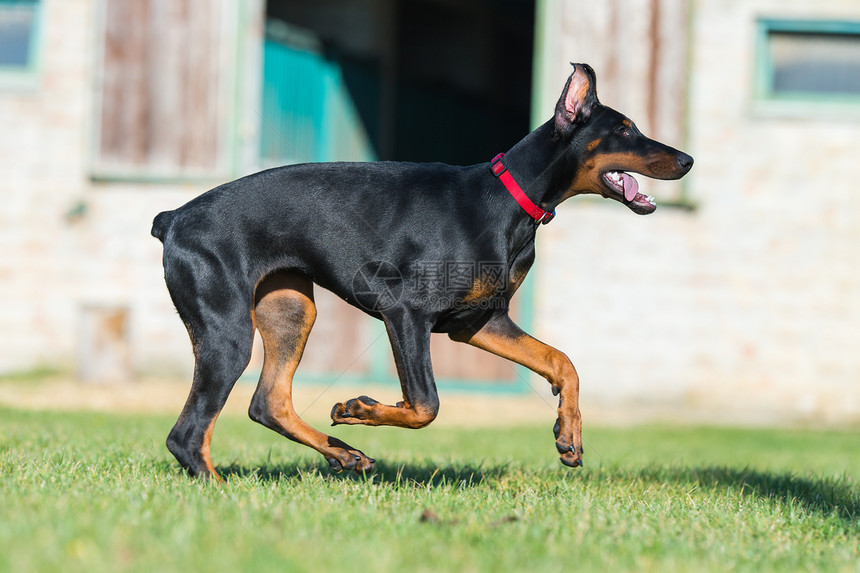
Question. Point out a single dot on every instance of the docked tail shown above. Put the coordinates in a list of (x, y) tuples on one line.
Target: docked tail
[(161, 224)]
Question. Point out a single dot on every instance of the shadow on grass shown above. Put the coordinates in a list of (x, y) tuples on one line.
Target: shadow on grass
[(410, 474), (822, 495)]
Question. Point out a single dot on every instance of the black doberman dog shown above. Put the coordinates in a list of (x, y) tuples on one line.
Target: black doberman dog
[(423, 247)]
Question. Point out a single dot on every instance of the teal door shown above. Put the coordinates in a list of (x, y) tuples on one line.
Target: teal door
[(308, 113)]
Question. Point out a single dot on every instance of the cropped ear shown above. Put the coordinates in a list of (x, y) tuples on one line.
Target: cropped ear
[(577, 100)]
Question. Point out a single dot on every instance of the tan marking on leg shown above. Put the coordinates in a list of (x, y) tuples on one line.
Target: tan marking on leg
[(402, 415), (205, 451), (503, 338), (284, 315), (420, 402)]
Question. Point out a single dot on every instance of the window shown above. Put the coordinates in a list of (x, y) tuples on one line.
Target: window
[(163, 91), (818, 60), (19, 21)]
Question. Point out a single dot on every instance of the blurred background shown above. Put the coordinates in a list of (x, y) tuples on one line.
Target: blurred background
[(737, 301)]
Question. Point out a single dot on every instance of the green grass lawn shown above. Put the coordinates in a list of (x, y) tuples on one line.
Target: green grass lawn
[(91, 492)]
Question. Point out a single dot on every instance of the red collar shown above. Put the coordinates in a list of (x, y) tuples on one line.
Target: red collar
[(499, 170)]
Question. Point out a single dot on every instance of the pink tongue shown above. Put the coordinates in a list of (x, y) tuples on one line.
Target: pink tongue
[(631, 186)]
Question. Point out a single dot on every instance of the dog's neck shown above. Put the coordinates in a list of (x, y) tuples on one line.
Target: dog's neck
[(540, 166)]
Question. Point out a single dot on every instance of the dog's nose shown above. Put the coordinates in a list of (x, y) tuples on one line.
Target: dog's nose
[(685, 161)]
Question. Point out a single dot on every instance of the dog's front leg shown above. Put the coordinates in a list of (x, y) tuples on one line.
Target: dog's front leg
[(504, 338), (409, 334)]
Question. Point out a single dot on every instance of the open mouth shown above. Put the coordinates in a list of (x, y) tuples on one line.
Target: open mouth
[(628, 188)]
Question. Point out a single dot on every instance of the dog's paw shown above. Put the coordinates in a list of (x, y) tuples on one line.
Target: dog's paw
[(571, 455), (351, 460), (353, 411)]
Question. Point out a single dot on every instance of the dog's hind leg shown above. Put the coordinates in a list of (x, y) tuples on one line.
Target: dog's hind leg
[(410, 342), (221, 352), (284, 313)]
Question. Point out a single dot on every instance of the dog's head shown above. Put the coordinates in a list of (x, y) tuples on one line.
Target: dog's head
[(605, 146)]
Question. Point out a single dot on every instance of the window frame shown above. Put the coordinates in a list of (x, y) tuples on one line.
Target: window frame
[(27, 76), (764, 94), (234, 22)]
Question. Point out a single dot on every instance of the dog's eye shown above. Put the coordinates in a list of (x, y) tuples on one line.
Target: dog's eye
[(623, 131)]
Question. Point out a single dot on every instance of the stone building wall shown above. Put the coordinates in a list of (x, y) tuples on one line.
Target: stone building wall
[(747, 307), (68, 243)]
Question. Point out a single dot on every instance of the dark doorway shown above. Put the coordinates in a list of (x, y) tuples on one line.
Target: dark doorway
[(429, 80)]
